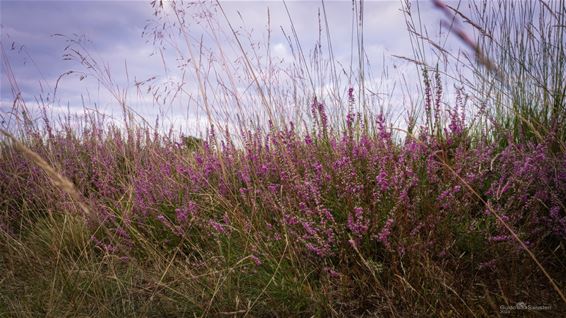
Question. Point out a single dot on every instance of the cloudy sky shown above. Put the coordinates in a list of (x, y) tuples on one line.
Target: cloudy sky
[(35, 35)]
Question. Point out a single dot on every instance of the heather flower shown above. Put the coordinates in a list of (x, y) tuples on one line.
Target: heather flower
[(309, 228), (555, 213), (385, 232), (381, 180), (308, 140), (290, 219), (350, 125), (499, 238), (272, 188), (383, 133), (226, 218), (181, 215), (256, 260), (124, 259), (311, 247), (327, 215), (401, 250), (318, 112), (122, 233), (331, 272), (356, 222), (417, 229), (219, 228)]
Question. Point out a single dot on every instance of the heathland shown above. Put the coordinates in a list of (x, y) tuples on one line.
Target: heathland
[(327, 208)]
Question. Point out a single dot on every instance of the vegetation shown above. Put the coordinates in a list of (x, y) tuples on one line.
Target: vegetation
[(330, 211)]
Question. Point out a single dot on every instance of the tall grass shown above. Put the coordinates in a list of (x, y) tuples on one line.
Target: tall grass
[(324, 208)]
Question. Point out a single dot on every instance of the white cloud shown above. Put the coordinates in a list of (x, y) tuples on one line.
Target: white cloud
[(115, 31)]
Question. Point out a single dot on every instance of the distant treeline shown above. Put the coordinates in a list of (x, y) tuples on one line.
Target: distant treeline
[(191, 142)]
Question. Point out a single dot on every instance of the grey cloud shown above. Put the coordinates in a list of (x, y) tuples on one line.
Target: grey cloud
[(115, 30)]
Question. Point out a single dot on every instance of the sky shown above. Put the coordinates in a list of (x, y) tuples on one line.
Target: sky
[(35, 34)]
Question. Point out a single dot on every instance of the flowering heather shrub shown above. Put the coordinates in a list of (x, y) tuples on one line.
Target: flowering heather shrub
[(328, 191), (332, 197)]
